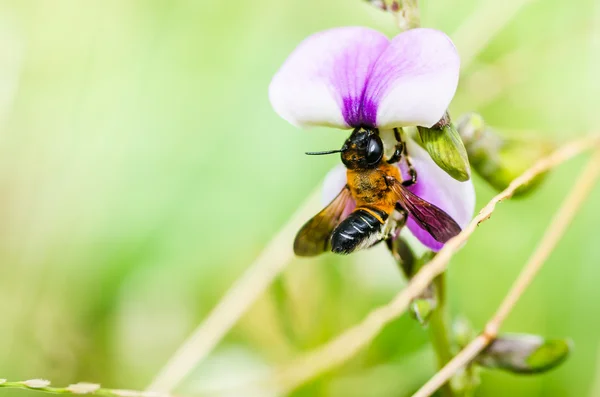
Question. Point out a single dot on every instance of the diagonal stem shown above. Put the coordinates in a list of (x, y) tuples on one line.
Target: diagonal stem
[(273, 259), (557, 228), (41, 385), (439, 329)]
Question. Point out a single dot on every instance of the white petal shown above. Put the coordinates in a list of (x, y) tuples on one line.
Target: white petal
[(414, 80), (334, 182), (323, 81)]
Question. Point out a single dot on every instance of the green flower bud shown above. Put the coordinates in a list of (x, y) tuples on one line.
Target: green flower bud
[(497, 159), (465, 381), (381, 4), (444, 145), (463, 331), (524, 354), (422, 308), (405, 11)]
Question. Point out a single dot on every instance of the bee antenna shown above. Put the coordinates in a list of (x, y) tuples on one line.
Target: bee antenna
[(322, 153)]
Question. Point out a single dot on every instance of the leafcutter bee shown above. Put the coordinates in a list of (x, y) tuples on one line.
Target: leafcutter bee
[(375, 185)]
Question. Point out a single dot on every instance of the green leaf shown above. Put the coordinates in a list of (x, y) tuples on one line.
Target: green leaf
[(446, 148), (549, 355), (525, 354), (422, 308)]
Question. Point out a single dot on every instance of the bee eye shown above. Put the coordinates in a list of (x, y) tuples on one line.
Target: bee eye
[(374, 150)]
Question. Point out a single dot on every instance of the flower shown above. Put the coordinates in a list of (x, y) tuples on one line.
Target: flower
[(355, 77)]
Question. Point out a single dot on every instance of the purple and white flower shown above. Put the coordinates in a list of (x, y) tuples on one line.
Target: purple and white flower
[(356, 77)]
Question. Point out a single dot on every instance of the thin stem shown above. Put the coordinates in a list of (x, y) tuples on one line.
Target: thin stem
[(439, 329), (235, 302), (42, 385)]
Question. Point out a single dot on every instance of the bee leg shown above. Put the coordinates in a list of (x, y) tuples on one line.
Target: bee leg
[(390, 243), (411, 170), (397, 154), (397, 222), (399, 150), (403, 254), (401, 210), (376, 242)]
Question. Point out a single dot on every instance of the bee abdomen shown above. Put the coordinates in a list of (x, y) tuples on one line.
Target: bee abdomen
[(359, 230)]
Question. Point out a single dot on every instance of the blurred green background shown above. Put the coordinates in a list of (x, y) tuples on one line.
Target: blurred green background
[(142, 169)]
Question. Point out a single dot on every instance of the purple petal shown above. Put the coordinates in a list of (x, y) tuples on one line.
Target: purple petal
[(414, 80), (323, 81), (434, 185)]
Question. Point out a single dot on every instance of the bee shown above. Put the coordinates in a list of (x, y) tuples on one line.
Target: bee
[(375, 185)]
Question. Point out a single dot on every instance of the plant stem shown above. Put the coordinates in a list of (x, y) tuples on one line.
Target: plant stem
[(41, 385), (408, 16), (439, 330)]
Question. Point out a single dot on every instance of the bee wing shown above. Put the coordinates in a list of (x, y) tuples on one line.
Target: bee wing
[(438, 223), (313, 238)]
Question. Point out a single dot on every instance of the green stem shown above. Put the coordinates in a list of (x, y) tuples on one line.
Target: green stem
[(76, 389), (409, 16), (439, 330)]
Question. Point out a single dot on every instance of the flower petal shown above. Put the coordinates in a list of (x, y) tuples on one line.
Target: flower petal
[(323, 81), (414, 80), (434, 185), (334, 182)]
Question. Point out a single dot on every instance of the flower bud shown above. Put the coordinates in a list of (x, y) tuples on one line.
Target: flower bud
[(422, 307), (444, 145), (463, 331), (466, 380), (497, 159), (381, 4), (83, 388), (36, 383), (524, 354), (405, 11)]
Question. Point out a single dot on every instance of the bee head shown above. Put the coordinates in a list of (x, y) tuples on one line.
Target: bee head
[(363, 150)]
